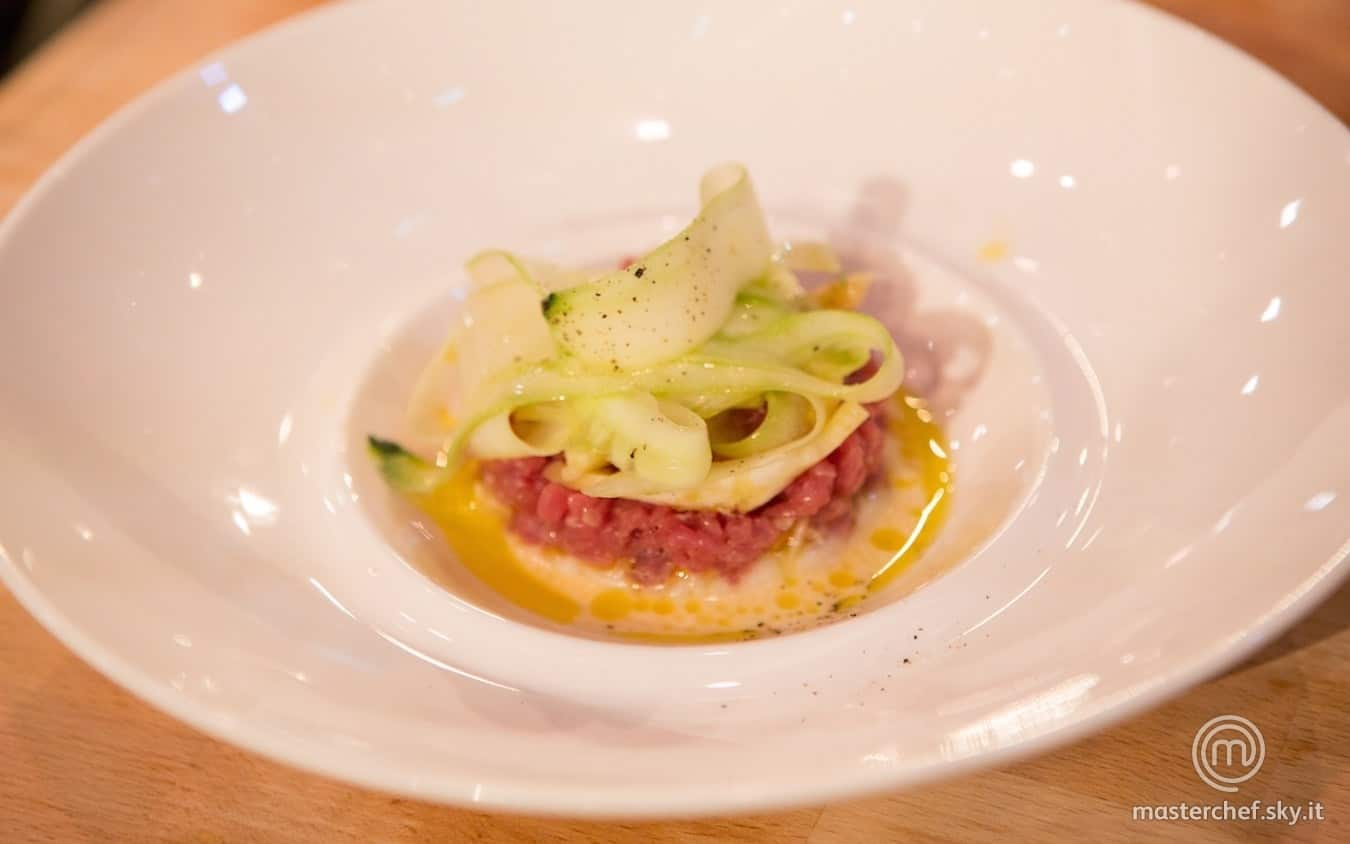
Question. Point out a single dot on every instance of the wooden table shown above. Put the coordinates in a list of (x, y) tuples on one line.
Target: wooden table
[(81, 760)]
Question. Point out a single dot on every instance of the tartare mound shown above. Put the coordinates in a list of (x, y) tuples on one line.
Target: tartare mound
[(654, 540)]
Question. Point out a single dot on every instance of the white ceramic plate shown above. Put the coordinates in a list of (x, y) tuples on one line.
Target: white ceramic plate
[(1135, 235)]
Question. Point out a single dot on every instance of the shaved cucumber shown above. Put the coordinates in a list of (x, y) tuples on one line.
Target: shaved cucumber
[(700, 376), (676, 297), (404, 471)]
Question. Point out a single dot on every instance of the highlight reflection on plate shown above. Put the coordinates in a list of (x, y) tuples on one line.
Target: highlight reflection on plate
[(1148, 414)]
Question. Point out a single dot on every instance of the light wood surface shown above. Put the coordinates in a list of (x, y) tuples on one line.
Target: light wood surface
[(81, 760)]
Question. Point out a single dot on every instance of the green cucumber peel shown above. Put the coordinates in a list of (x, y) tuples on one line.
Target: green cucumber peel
[(403, 470)]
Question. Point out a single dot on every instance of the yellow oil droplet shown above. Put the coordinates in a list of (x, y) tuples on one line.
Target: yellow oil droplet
[(848, 602), (477, 535), (888, 539), (642, 604), (842, 578), (993, 251), (612, 604), (788, 600), (663, 606), (692, 605)]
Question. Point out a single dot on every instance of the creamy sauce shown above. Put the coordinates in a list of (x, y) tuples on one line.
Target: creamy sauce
[(806, 581)]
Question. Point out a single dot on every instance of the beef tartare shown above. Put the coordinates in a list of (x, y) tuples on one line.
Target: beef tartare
[(667, 424), (656, 539)]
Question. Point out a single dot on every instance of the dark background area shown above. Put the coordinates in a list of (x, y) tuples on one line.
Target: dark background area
[(25, 24)]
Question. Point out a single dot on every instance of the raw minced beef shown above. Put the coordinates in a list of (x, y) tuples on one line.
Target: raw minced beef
[(655, 540)]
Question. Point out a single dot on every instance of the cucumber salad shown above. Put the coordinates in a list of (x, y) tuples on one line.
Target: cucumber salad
[(700, 376)]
